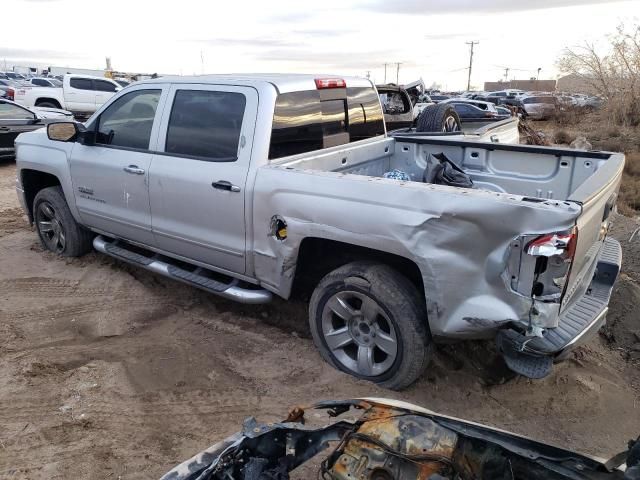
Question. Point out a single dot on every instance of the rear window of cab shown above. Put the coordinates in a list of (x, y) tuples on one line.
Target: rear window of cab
[(310, 120)]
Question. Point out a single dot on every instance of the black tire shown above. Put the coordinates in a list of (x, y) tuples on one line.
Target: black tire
[(439, 118), (399, 304), (56, 227), (47, 104)]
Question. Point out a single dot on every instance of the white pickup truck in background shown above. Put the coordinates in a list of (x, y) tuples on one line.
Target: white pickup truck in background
[(80, 94)]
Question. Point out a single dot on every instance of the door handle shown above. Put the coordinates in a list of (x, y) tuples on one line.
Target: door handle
[(134, 169), (224, 185)]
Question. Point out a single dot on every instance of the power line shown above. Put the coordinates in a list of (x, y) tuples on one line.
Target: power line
[(472, 43)]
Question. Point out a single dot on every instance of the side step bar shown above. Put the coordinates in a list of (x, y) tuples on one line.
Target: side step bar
[(231, 290)]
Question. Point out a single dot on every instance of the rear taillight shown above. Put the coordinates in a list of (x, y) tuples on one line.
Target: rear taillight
[(324, 83), (560, 244), (11, 94), (553, 254)]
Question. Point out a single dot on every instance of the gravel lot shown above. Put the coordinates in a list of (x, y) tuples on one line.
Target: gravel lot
[(107, 371)]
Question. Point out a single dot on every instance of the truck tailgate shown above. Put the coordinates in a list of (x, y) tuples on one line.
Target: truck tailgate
[(597, 196)]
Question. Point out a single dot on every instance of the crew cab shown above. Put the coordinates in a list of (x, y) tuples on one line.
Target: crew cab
[(262, 185), (80, 94)]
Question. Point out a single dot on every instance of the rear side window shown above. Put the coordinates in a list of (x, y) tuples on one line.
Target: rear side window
[(305, 122), (39, 82), (104, 86), (81, 83), (206, 125)]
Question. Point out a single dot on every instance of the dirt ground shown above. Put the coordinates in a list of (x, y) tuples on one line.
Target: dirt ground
[(108, 372)]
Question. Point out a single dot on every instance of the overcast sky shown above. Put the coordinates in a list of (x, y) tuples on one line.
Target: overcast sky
[(348, 37)]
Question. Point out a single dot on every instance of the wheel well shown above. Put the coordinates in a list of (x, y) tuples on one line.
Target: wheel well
[(318, 256), (32, 182), (39, 101)]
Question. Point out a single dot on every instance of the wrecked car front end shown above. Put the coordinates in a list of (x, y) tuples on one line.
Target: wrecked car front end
[(392, 440)]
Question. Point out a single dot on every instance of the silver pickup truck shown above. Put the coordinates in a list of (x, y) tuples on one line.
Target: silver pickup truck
[(277, 184)]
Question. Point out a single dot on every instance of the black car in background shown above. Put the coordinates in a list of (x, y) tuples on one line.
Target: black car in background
[(469, 112), (439, 98), (16, 119)]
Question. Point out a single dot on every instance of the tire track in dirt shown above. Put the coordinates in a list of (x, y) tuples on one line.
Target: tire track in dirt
[(78, 310), (11, 221), (53, 287)]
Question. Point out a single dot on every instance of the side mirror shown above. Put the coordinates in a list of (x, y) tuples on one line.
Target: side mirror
[(62, 131)]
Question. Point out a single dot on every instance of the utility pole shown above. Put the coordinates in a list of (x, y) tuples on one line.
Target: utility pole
[(538, 77), (398, 72), (368, 73), (470, 63), (385, 73), (506, 74)]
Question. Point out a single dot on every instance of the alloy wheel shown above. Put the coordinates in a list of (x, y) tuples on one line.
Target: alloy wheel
[(359, 333), (50, 227)]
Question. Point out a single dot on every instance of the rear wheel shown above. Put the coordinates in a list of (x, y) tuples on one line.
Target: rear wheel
[(368, 320), (57, 229), (47, 104), (439, 118)]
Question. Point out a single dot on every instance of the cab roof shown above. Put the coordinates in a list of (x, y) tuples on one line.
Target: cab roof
[(283, 82)]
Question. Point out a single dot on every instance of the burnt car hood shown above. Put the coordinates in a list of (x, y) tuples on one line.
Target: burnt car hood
[(389, 439)]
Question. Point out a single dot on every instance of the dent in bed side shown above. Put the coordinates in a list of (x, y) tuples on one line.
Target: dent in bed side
[(459, 239)]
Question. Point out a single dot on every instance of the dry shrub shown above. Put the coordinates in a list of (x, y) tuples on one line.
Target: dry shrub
[(629, 199), (611, 145), (568, 115), (614, 132), (632, 165), (614, 73), (563, 137)]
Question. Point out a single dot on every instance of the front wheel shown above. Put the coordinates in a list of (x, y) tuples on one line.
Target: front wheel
[(368, 320), (57, 229)]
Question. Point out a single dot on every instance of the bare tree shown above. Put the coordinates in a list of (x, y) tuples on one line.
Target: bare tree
[(614, 73)]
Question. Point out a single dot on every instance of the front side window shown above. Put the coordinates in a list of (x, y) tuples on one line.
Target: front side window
[(81, 83), (127, 122), (104, 86), (205, 125), (13, 112)]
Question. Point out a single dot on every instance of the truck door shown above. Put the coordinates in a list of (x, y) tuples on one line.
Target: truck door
[(197, 182), (111, 178), (79, 95), (104, 90)]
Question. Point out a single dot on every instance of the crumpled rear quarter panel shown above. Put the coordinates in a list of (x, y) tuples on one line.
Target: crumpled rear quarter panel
[(458, 238)]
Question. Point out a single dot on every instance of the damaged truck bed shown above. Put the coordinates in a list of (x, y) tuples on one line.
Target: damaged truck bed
[(399, 241), (389, 440)]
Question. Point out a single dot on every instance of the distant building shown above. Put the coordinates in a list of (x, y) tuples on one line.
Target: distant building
[(528, 85), (576, 84)]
